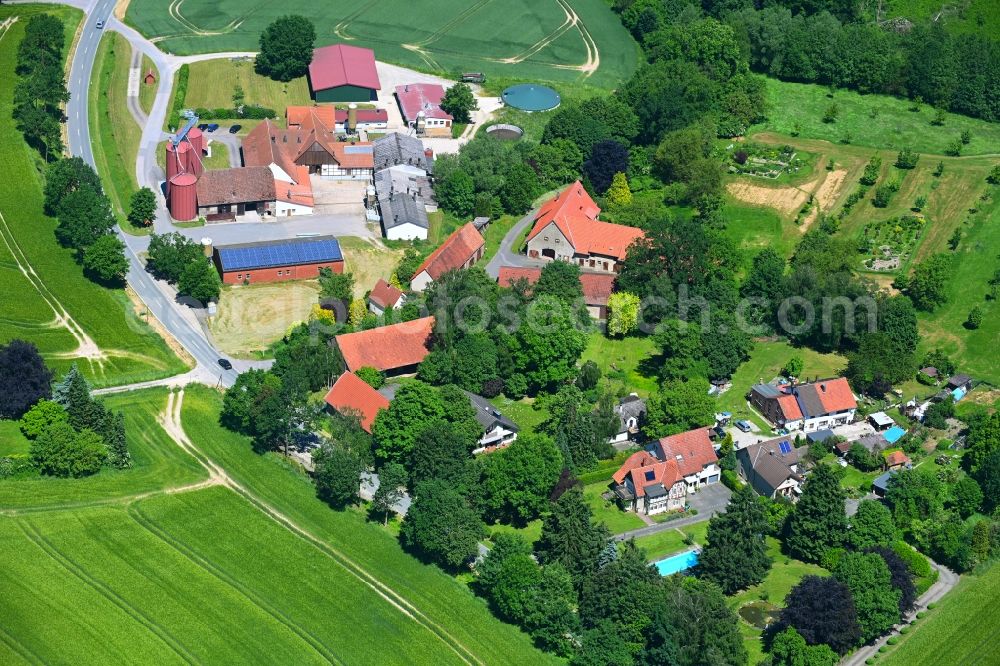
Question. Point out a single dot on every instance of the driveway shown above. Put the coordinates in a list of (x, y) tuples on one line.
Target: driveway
[(339, 197), (507, 254), (708, 501)]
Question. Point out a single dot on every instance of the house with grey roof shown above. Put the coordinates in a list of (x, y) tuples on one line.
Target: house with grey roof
[(403, 213), (498, 430), (403, 186), (630, 410), (395, 149), (772, 468)]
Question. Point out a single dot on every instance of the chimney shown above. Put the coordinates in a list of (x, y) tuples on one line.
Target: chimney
[(429, 153), (406, 88), (274, 139)]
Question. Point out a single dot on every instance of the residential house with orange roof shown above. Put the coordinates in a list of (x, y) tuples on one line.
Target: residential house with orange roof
[(352, 395), (396, 349), (694, 454), (368, 120), (897, 460), (566, 227), (645, 484), (462, 249), (818, 405), (384, 296)]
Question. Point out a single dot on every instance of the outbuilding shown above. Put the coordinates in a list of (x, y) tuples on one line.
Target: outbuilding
[(275, 261), (343, 73)]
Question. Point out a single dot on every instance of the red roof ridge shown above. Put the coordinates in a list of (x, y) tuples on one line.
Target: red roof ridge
[(350, 392), (387, 347), (453, 252)]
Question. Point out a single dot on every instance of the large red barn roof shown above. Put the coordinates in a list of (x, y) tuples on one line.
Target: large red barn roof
[(387, 347), (343, 65), (350, 392)]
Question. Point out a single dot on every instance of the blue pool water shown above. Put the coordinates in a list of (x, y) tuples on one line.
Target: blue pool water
[(893, 434), (675, 563), (958, 394)]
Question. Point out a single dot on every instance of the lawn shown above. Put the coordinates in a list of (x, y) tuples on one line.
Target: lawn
[(219, 158), (607, 511), (212, 82), (115, 133), (895, 127), (765, 364), (368, 260), (455, 37), (668, 542), (147, 93), (784, 575), (362, 546), (40, 272), (252, 317), (961, 630), (495, 232), (620, 360), (158, 462), (11, 439), (755, 227), (522, 412)]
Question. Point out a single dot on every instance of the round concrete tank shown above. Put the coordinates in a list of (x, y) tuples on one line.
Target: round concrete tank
[(197, 141), (177, 159), (206, 246), (183, 197)]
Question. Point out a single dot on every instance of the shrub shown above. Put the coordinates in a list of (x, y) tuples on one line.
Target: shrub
[(905, 629), (919, 203), (731, 480), (939, 170), (932, 605), (966, 137), (180, 93), (740, 157), (921, 615), (938, 119), (907, 159), (870, 175), (954, 148), (892, 640), (994, 177), (249, 112), (975, 319), (884, 193), (15, 465), (831, 113)]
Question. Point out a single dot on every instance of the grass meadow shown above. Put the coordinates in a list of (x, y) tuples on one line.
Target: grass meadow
[(111, 123), (252, 317), (133, 351), (456, 37), (960, 630), (147, 93), (212, 82)]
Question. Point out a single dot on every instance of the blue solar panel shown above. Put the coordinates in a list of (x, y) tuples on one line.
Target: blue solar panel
[(785, 447), (287, 253), (357, 150)]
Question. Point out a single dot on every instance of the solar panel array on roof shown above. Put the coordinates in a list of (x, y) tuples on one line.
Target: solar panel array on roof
[(357, 150), (785, 447), (286, 253)]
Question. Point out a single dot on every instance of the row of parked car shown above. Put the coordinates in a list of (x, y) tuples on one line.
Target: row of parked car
[(211, 127)]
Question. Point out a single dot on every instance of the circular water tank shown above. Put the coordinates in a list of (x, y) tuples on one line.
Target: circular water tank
[(531, 97), (177, 158), (183, 197)]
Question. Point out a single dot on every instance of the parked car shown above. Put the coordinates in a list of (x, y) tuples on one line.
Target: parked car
[(235, 128), (213, 126), (99, 25), (203, 127), (744, 425), (717, 433), (225, 364)]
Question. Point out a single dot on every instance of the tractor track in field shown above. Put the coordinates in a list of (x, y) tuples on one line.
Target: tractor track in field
[(65, 562), (20, 648), (220, 574), (171, 421)]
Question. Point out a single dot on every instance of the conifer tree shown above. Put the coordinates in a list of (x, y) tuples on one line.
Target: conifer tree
[(735, 555), (818, 522)]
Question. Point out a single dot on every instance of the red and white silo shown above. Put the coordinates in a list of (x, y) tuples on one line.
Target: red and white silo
[(177, 159), (197, 140), (183, 197)]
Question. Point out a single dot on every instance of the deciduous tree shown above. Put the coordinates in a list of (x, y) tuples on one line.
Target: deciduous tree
[(871, 526), (459, 101), (24, 378), (337, 475), (442, 526), (623, 313), (870, 582), (142, 207), (62, 451), (105, 259), (391, 480), (822, 610), (679, 406), (286, 48), (518, 480)]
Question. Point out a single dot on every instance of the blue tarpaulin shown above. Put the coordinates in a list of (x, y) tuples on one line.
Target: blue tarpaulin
[(893, 434), (958, 394)]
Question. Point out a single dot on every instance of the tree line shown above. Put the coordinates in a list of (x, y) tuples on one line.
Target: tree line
[(40, 91), (72, 434)]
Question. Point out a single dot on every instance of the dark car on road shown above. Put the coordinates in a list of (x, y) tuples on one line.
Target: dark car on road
[(213, 126), (235, 128), (203, 127), (226, 365)]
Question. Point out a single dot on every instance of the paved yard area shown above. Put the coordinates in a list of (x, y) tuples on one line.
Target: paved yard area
[(708, 501), (248, 232), (338, 197)]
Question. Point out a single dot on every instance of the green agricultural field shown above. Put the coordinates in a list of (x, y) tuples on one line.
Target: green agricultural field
[(67, 316), (116, 132), (158, 463), (555, 40), (894, 127), (961, 630), (444, 603)]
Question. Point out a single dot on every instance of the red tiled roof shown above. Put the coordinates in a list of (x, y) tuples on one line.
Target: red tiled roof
[(350, 392), (835, 395), (597, 287), (789, 407), (692, 450), (387, 347), (575, 214), (343, 65), (384, 294), (416, 97), (896, 458), (457, 249), (634, 461), (638, 464), (329, 116)]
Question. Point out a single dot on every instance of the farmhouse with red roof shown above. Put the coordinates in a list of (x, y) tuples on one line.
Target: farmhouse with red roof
[(812, 406), (343, 73), (420, 104), (597, 287), (351, 394), (396, 350), (384, 296), (646, 485), (461, 249), (566, 227)]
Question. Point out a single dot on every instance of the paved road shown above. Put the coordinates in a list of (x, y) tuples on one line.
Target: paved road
[(507, 255), (947, 579), (708, 501)]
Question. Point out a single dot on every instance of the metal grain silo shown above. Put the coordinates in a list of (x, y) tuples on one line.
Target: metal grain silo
[(184, 197)]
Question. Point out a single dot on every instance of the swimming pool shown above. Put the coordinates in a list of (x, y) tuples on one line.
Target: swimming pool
[(893, 434), (676, 563)]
